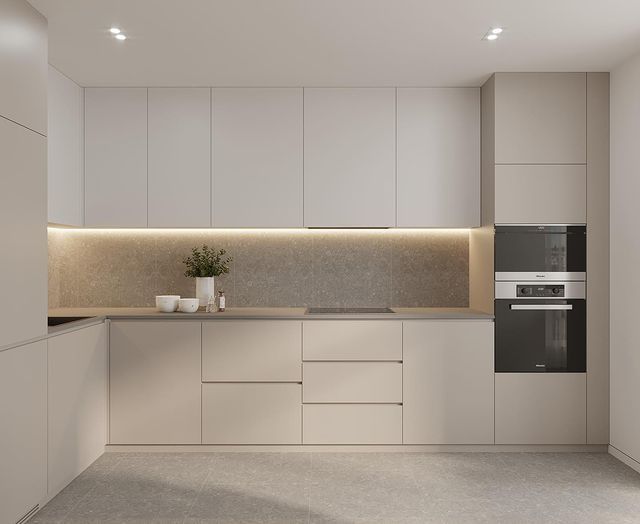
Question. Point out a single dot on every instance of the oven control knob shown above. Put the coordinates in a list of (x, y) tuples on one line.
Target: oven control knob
[(555, 290), (525, 291)]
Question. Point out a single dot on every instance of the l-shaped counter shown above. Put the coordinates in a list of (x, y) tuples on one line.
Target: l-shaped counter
[(278, 376)]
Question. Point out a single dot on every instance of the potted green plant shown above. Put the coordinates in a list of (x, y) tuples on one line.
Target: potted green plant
[(204, 264)]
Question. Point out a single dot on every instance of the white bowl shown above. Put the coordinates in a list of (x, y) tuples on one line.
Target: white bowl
[(167, 303), (189, 305)]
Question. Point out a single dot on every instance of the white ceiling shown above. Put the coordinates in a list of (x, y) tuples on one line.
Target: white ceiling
[(332, 42)]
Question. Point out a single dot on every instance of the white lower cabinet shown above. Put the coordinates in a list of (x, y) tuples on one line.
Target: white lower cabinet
[(344, 382), (448, 382), (155, 382), (352, 424), (251, 351), (23, 433), (255, 413), (77, 392), (541, 408)]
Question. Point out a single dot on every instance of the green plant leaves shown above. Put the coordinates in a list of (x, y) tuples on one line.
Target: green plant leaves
[(206, 262)]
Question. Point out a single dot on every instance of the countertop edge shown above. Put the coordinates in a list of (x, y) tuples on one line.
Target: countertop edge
[(271, 314)]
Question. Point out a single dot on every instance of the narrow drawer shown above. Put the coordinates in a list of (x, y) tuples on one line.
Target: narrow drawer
[(352, 382), (352, 424), (251, 414), (251, 351), (352, 340)]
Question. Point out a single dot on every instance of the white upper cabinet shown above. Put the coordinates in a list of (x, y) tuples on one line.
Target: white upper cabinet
[(23, 63), (23, 229), (179, 157), (257, 157), (116, 157), (65, 146), (540, 118), (438, 157), (349, 157)]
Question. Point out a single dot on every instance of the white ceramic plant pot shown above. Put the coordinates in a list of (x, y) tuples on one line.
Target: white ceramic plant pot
[(204, 290)]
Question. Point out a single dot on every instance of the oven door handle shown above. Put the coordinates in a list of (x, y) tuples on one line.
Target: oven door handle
[(541, 307)]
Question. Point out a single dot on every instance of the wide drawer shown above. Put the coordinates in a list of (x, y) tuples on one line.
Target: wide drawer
[(352, 340), (352, 424), (251, 351), (352, 382), (251, 414)]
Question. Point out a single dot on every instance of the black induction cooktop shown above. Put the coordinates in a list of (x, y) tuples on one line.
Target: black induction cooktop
[(347, 310)]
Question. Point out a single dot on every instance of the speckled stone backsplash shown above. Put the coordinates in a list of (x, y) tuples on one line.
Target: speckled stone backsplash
[(276, 268)]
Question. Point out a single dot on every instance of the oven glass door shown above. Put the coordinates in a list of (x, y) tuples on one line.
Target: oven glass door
[(540, 336), (558, 251)]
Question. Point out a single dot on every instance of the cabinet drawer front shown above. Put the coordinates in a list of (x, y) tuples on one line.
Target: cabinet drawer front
[(352, 382), (251, 414), (352, 424), (258, 351), (520, 189), (541, 408), (352, 340)]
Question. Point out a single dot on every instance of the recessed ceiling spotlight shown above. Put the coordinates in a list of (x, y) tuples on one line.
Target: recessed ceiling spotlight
[(120, 36), (115, 31), (491, 36), (497, 30)]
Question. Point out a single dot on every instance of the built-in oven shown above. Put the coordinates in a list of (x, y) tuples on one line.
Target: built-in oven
[(540, 252), (540, 327)]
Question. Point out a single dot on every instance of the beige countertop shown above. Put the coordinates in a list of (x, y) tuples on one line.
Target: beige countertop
[(297, 313)]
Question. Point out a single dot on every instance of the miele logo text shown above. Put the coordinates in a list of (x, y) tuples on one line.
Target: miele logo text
[(540, 276)]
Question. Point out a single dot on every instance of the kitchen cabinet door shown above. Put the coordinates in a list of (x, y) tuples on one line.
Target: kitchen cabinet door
[(77, 385), (23, 62), (257, 157), (23, 229), (541, 408), (23, 438), (352, 340), (251, 351), (116, 157), (352, 424), (448, 382), (349, 157), (540, 194), (65, 150), (251, 414), (154, 382), (438, 157), (352, 382), (540, 118), (179, 157)]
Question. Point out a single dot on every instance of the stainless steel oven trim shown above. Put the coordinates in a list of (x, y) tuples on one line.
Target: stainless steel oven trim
[(541, 307), (508, 290), (565, 276)]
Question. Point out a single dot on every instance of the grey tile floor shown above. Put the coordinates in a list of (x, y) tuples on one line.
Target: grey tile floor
[(349, 487)]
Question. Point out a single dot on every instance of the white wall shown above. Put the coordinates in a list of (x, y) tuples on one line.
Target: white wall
[(625, 258), (65, 150)]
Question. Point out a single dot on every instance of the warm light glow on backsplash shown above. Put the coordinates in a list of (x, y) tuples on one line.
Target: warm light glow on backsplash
[(292, 267)]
